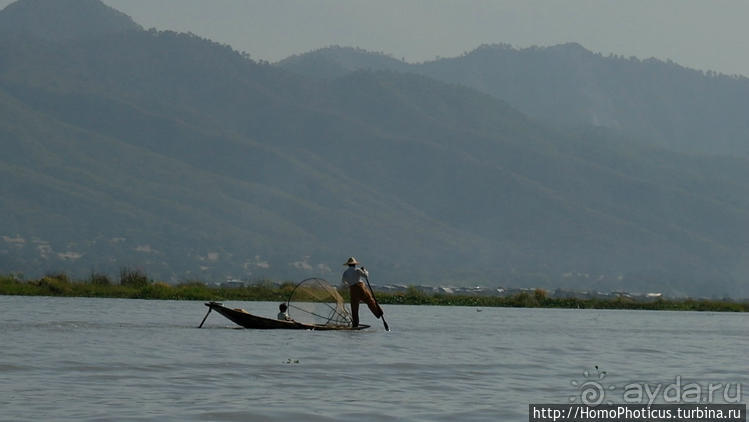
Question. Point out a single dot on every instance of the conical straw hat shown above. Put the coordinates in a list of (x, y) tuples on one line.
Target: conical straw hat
[(352, 261)]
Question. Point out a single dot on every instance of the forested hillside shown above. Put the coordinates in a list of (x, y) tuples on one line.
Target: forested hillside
[(174, 154), (656, 101)]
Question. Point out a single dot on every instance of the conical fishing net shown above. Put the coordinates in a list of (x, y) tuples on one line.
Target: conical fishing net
[(315, 301)]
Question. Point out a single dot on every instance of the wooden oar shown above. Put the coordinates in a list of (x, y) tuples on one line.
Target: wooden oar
[(382, 317), (205, 317)]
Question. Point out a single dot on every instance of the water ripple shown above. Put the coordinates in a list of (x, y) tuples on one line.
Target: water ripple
[(145, 360)]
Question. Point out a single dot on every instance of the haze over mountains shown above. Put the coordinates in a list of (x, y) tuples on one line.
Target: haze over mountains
[(566, 85), (548, 167)]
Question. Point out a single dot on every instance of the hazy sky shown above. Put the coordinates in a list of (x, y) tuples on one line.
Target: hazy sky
[(703, 34)]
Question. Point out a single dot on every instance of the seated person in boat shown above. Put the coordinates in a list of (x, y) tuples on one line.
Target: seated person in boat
[(283, 315), (354, 278)]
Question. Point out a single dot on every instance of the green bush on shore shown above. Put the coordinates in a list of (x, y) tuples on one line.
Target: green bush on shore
[(138, 286), (536, 300)]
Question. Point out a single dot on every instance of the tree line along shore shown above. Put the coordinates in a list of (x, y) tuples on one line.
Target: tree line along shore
[(136, 285)]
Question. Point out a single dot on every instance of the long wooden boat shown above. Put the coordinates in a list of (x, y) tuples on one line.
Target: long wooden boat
[(247, 320)]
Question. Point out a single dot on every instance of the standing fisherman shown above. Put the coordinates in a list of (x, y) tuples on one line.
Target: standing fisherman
[(352, 278)]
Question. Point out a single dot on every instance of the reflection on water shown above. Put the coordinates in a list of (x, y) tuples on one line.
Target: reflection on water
[(109, 359)]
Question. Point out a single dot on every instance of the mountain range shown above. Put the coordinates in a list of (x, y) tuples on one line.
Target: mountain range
[(126, 147), (567, 86)]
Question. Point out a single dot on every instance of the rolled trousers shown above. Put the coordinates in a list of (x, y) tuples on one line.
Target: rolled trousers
[(360, 293)]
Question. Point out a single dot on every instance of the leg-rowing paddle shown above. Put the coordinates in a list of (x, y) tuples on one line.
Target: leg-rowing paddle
[(382, 317)]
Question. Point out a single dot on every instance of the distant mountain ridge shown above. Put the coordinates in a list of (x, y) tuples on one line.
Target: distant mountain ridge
[(62, 20), (568, 86), (337, 61), (180, 156)]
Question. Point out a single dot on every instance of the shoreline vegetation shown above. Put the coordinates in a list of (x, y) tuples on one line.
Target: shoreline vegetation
[(136, 285)]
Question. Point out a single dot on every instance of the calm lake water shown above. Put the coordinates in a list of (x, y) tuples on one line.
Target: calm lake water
[(77, 359)]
